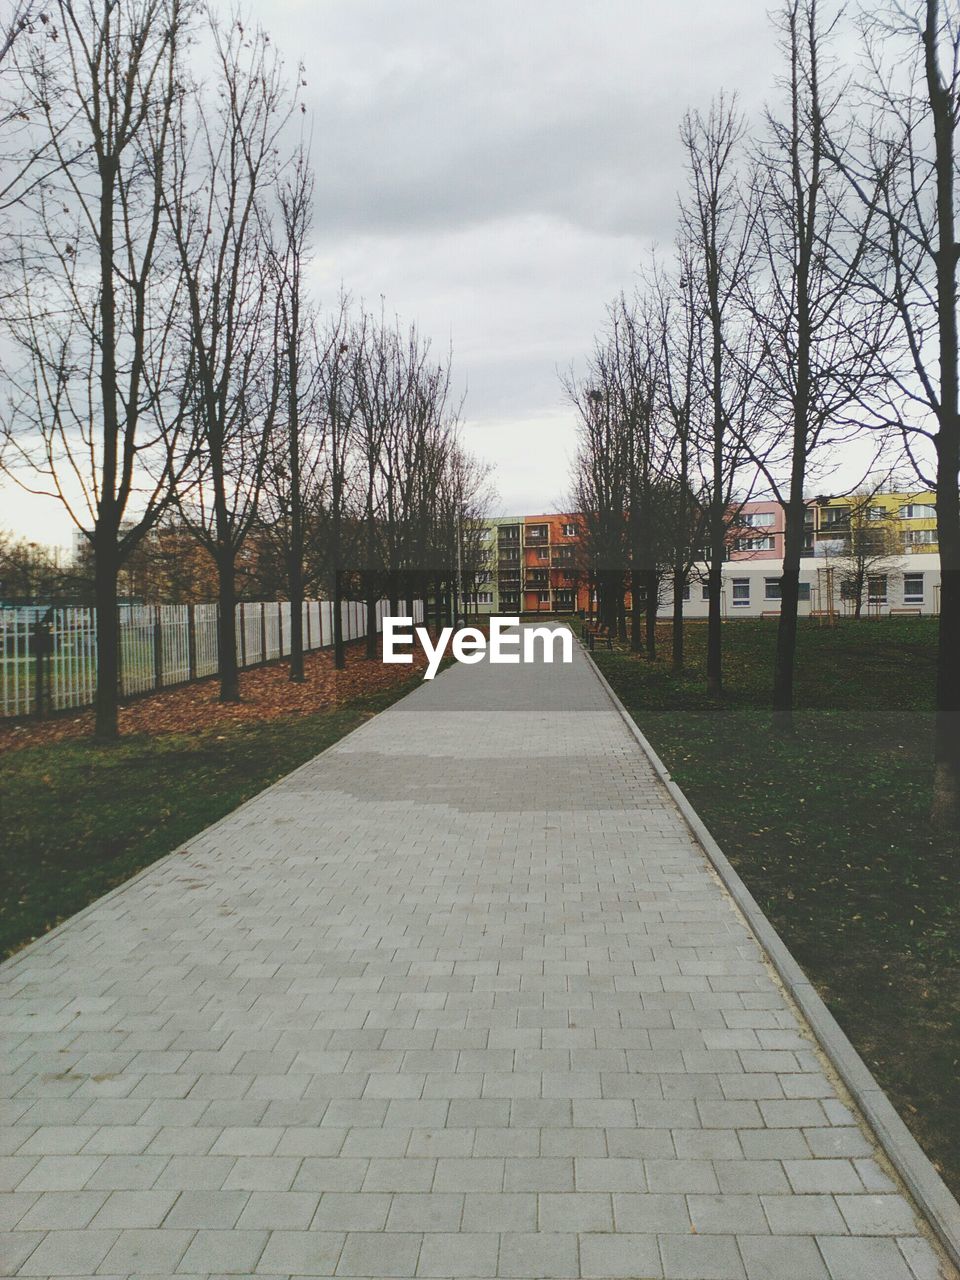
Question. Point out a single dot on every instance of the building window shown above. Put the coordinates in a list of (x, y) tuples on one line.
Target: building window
[(484, 597), (771, 590), (918, 511), (754, 544), (543, 597), (542, 553), (741, 591), (569, 530), (834, 516), (877, 588), (756, 519), (686, 591), (920, 537), (705, 591), (913, 588)]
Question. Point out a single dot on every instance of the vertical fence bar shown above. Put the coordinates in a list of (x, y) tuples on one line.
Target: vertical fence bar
[(191, 642), (157, 649)]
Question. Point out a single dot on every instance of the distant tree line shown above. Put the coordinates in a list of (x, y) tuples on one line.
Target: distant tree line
[(170, 377), (810, 298)]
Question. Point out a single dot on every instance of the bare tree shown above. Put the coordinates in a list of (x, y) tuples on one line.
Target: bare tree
[(680, 328), (90, 303), (339, 400), (864, 546), (819, 339), (294, 471), (216, 202), (601, 488), (904, 167), (717, 232)]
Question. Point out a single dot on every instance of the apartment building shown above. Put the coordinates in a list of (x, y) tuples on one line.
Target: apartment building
[(903, 574), (535, 566), (536, 562)]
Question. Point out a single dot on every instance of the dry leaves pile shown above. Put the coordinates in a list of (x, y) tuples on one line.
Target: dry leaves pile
[(266, 692)]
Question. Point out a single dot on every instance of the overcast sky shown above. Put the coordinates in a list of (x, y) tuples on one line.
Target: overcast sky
[(497, 171)]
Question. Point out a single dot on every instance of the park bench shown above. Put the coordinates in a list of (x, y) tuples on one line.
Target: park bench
[(596, 634)]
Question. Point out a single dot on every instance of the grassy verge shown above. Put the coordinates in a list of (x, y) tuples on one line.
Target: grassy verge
[(828, 827), (78, 819)]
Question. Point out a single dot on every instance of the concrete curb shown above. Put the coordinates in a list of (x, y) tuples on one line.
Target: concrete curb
[(928, 1189)]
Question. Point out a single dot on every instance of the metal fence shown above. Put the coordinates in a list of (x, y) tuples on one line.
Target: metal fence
[(160, 646)]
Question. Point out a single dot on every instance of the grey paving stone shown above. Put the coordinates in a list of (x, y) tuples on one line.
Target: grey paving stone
[(17, 1247), (147, 1252), (621, 1255), (69, 1253), (440, 1211), (545, 1255), (379, 1253), (460, 997), (301, 1253), (701, 1258), (803, 1215), (782, 1258), (461, 1253), (859, 1259), (727, 1215), (210, 1252)]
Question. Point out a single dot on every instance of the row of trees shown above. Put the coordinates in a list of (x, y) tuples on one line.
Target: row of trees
[(166, 359), (811, 297)]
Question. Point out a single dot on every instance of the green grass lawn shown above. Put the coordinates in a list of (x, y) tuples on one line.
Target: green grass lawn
[(828, 827), (77, 819)]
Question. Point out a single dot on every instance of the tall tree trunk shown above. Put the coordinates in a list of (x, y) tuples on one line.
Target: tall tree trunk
[(653, 592), (108, 638), (636, 611), (295, 579), (371, 606), (679, 583), (438, 602), (339, 651), (227, 628), (714, 625), (946, 782), (786, 652)]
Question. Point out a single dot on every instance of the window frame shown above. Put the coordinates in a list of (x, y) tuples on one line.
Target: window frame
[(735, 584)]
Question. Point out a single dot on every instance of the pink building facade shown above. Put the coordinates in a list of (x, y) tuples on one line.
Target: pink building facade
[(758, 534)]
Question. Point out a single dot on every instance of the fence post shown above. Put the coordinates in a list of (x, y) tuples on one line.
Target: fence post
[(157, 649), (243, 634), (280, 628), (263, 631), (119, 650), (191, 643), (306, 605)]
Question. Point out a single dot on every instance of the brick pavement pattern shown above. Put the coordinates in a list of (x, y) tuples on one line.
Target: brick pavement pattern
[(461, 997)]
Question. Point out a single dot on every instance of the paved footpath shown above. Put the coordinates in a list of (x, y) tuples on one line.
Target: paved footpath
[(459, 998)]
